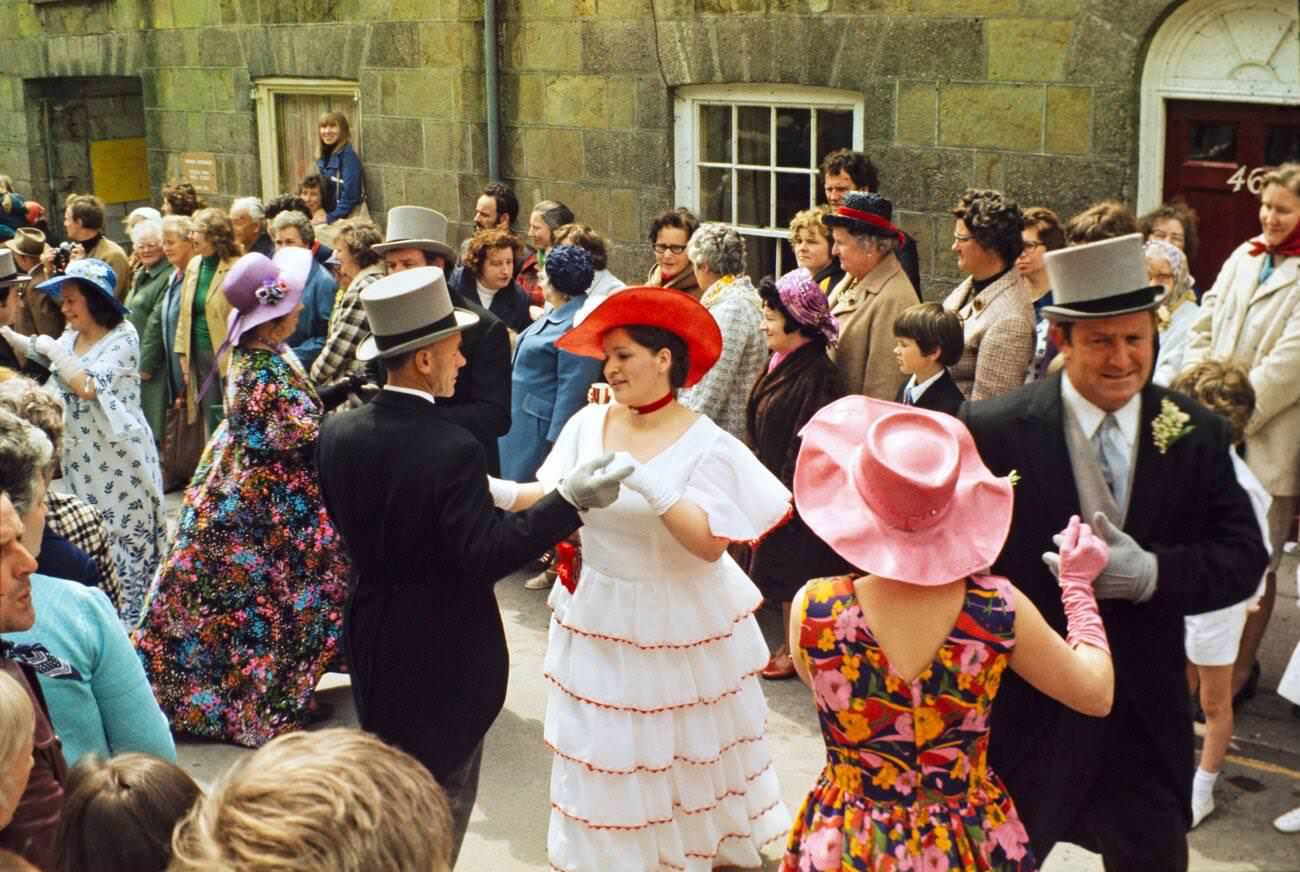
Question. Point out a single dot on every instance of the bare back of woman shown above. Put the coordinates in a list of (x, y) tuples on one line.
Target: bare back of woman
[(910, 623)]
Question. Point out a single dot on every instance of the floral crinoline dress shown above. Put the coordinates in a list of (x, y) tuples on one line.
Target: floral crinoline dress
[(906, 784)]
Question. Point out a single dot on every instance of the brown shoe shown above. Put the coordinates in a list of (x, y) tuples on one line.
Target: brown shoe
[(779, 668), (543, 580)]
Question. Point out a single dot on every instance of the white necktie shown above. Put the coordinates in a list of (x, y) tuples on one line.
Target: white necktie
[(1112, 453)]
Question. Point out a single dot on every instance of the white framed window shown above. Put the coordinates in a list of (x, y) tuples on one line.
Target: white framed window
[(288, 136), (747, 155)]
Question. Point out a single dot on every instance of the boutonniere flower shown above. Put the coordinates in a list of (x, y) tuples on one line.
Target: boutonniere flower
[(1169, 426), (1014, 477)]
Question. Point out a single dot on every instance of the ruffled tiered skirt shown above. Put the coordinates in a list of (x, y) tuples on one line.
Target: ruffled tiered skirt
[(655, 720)]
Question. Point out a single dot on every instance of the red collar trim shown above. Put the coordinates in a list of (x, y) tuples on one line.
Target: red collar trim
[(655, 406)]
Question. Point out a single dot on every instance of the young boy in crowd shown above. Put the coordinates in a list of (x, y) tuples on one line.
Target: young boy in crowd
[(927, 340)]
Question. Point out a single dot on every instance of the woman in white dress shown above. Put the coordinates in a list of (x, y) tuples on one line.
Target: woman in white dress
[(109, 458), (655, 718)]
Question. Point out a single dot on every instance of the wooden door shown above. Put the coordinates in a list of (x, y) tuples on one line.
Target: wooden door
[(1215, 156), (297, 120)]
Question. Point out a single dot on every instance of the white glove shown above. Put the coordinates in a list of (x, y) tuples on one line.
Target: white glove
[(61, 361), (504, 493), (658, 493), (16, 340)]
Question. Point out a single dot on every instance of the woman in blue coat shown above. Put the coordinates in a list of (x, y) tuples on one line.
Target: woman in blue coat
[(342, 188), (548, 385)]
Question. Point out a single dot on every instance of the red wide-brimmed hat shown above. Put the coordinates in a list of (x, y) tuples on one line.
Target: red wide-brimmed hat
[(674, 311), (900, 492)]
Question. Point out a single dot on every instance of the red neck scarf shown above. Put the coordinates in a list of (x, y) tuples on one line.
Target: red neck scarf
[(1289, 247), (655, 406)]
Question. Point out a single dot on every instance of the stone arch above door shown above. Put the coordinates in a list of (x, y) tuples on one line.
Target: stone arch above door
[(1230, 50)]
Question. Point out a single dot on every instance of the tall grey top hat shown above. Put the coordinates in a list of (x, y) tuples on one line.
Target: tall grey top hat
[(417, 227), (10, 274), (1099, 280), (409, 310)]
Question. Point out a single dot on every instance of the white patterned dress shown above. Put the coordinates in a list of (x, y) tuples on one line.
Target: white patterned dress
[(110, 461), (655, 718)]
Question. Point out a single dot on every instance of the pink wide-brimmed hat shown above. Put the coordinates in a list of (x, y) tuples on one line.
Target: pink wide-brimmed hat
[(900, 492)]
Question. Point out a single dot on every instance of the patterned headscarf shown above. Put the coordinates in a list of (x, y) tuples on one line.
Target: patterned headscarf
[(804, 299), (1177, 264)]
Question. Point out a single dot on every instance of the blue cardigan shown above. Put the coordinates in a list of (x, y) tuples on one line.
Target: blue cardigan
[(342, 186), (108, 707)]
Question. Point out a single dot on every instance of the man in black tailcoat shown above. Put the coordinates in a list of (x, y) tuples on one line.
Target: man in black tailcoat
[(1150, 471), (408, 491)]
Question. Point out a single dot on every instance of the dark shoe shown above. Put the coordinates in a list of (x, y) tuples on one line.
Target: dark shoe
[(1248, 690), (779, 668)]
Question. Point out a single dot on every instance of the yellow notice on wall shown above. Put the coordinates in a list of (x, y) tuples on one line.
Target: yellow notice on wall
[(120, 170)]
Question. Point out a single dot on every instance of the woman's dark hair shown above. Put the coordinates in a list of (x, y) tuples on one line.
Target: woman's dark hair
[(1176, 210), (181, 198), (586, 237), (995, 222), (655, 338), (286, 203), (771, 297), (99, 307), (681, 218), (119, 814)]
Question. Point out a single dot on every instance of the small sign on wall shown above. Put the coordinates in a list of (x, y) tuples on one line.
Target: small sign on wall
[(199, 168), (120, 170)]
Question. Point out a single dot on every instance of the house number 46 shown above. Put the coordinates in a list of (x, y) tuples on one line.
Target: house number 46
[(1252, 181)]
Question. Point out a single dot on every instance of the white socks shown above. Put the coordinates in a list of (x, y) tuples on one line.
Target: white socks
[(1202, 795)]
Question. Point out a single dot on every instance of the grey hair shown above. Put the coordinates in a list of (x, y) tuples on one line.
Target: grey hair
[(179, 225), (252, 206), (295, 219), (719, 248), (885, 245), (25, 453), (146, 230), (36, 405), (17, 728)]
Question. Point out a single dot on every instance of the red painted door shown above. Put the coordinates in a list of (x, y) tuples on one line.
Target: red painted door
[(1215, 156)]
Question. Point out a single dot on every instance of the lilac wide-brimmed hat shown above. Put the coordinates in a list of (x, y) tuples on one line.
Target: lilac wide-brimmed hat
[(262, 289), (806, 302)]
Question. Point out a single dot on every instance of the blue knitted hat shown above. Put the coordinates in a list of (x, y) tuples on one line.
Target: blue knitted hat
[(568, 269)]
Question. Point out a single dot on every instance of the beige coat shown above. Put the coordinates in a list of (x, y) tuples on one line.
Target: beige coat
[(998, 324), (1259, 326), (216, 310), (866, 311)]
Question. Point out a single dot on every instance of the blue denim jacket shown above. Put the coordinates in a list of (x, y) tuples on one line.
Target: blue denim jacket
[(343, 188)]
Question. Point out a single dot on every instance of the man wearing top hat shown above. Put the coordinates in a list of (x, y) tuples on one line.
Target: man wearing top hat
[(481, 404), (12, 281), (408, 490), (1150, 470)]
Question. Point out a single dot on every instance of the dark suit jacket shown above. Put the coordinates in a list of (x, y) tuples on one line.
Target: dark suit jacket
[(1187, 509), (942, 396), (408, 492), (481, 402)]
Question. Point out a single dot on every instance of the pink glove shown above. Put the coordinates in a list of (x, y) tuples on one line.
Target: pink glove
[(1083, 557)]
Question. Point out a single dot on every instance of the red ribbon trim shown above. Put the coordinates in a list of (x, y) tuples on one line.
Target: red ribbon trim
[(869, 218)]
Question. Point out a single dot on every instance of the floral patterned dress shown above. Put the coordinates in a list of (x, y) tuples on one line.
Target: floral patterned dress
[(906, 784), (110, 460), (247, 610)]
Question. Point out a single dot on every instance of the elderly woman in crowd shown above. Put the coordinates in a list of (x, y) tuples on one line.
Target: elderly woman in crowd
[(1042, 233), (1167, 267), (489, 264), (1252, 314), (148, 292), (799, 381), (293, 229), (811, 241), (99, 699), (336, 369), (669, 233), (717, 254), (547, 217), (993, 302), (1175, 223), (201, 327), (109, 458), (603, 282), (548, 385), (246, 612), (873, 293)]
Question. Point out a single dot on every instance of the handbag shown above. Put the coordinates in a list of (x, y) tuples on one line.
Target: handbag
[(182, 446)]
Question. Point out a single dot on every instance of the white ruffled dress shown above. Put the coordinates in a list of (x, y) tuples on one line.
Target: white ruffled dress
[(655, 718)]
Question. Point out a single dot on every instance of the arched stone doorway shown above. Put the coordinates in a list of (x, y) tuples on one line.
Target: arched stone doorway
[(1220, 101)]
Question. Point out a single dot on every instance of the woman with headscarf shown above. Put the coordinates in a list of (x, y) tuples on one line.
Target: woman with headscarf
[(1167, 267), (800, 379), (247, 610)]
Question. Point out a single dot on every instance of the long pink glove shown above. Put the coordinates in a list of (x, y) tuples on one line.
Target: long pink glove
[(1083, 556)]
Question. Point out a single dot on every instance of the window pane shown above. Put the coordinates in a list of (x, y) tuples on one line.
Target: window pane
[(793, 137), (754, 200), (755, 142), (1212, 141), (715, 194), (1283, 145), (715, 134), (793, 194), (760, 257), (834, 131)]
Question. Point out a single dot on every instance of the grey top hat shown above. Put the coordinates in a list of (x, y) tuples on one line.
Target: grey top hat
[(417, 227), (409, 310), (9, 273), (1099, 280)]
